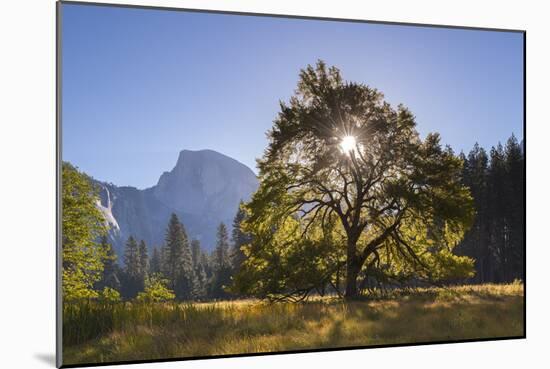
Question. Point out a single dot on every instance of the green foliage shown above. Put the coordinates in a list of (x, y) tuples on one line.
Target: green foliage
[(201, 282), (514, 248), (155, 290), (133, 278), (239, 238), (131, 258), (143, 259), (202, 286), (82, 226), (392, 194), (222, 264), (221, 254), (285, 263), (111, 270), (196, 252), (156, 262), (496, 239), (177, 263), (110, 295)]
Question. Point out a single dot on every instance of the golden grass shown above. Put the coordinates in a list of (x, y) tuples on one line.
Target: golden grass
[(234, 327)]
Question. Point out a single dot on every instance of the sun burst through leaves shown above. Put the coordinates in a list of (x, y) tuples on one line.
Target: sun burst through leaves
[(348, 144)]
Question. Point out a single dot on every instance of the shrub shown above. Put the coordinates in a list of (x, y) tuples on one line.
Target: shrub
[(156, 290)]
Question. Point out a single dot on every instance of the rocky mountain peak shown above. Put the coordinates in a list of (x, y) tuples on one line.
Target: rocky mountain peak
[(206, 181), (204, 188)]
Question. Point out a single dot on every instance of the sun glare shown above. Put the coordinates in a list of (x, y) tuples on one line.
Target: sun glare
[(348, 144)]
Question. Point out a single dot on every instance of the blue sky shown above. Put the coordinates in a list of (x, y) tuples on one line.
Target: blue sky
[(141, 85)]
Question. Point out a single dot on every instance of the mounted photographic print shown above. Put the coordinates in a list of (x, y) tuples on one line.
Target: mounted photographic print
[(244, 184)]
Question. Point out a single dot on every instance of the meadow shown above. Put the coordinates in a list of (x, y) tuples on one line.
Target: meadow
[(95, 332)]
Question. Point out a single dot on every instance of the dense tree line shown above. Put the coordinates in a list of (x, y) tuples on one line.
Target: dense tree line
[(496, 239), (180, 267)]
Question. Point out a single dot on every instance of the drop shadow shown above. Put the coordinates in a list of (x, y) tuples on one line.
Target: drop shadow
[(46, 358)]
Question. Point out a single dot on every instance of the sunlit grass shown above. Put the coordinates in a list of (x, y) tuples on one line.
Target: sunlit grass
[(138, 332)]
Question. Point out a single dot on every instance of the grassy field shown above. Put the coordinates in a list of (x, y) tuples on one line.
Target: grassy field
[(126, 331)]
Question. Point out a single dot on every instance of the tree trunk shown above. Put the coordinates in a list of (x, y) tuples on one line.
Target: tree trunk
[(351, 281), (352, 271)]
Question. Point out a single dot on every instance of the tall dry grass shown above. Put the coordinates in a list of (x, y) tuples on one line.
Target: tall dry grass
[(129, 331)]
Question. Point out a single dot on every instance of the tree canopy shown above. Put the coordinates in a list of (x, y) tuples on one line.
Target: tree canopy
[(346, 181), (83, 226)]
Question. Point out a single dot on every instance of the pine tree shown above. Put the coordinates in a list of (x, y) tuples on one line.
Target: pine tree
[(172, 250), (476, 242), (131, 258), (111, 270), (177, 260), (222, 247), (155, 264), (143, 260), (202, 281), (195, 252), (514, 210), (132, 270), (496, 239), (222, 264), (497, 206), (206, 262)]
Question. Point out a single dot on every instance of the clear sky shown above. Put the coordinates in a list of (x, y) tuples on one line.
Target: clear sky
[(140, 85)]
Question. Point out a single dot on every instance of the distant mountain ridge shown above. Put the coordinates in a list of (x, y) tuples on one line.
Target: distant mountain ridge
[(204, 188)]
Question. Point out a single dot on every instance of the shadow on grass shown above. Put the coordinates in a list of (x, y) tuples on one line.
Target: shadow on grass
[(185, 330)]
